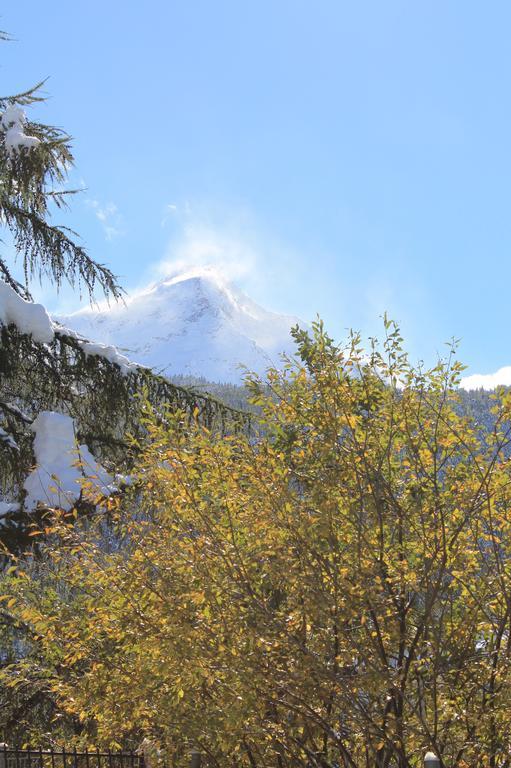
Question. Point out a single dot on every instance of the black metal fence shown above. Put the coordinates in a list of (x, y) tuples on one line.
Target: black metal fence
[(61, 758)]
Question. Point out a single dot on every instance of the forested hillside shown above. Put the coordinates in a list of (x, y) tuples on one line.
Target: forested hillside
[(476, 403)]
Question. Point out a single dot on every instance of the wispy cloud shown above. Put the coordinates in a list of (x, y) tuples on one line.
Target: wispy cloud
[(500, 378), (109, 217), (170, 210)]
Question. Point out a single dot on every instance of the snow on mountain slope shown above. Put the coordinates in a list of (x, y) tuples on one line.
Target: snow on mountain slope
[(190, 324)]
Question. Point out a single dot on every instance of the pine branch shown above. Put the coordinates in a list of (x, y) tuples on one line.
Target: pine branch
[(25, 97), (26, 176), (58, 196), (49, 251), (27, 186), (10, 280)]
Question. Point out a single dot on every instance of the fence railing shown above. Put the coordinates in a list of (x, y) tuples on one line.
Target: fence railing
[(62, 758)]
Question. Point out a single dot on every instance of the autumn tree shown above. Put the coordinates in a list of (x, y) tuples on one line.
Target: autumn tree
[(334, 593)]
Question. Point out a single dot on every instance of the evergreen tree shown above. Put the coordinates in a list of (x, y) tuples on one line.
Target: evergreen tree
[(44, 367)]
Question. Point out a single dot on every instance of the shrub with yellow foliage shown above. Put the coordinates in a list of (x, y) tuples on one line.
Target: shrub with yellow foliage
[(334, 592)]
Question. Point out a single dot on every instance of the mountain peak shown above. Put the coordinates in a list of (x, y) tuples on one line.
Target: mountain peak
[(193, 323)]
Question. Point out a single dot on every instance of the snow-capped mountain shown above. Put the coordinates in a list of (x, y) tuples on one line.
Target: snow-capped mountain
[(191, 324)]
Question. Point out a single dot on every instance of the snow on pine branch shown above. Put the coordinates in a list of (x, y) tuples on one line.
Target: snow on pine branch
[(97, 349), (8, 440), (28, 317), (33, 319), (13, 121), (110, 353), (62, 465)]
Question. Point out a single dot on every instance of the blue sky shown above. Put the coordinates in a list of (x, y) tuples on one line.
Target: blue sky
[(340, 158)]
